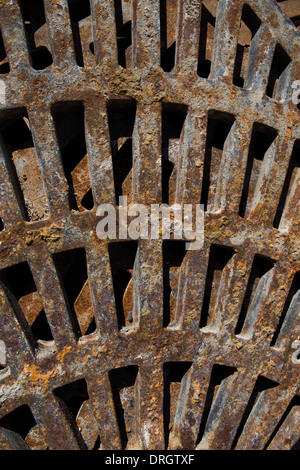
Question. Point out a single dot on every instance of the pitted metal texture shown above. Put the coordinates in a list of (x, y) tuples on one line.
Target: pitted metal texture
[(143, 344)]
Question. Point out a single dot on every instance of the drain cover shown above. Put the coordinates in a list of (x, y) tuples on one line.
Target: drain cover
[(144, 343)]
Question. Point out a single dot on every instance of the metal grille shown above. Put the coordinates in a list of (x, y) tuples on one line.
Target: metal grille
[(144, 344)]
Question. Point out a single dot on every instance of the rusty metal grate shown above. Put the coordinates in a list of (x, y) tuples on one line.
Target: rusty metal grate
[(144, 344)]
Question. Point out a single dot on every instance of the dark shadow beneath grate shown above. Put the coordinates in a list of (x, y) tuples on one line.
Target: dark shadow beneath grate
[(173, 256), (122, 260), (173, 119), (296, 20), (121, 120), (175, 379), (124, 31), (294, 402), (285, 312), (261, 140), (168, 30), (290, 184), (260, 272), (21, 291), (218, 128), (123, 385), (71, 397), (250, 24), (35, 25), (220, 374), (262, 384), (4, 63), (20, 421), (280, 62), (70, 131), (219, 257), (206, 42), (72, 269), (79, 9), (23, 166)]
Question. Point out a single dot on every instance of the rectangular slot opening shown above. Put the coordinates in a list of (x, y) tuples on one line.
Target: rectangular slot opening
[(280, 62), (72, 270), (21, 291), (260, 274), (23, 166), (173, 119), (124, 386), (123, 14), (288, 313), (81, 24), (261, 386), (168, 33), (173, 278), (206, 40), (121, 119), (4, 63), (74, 400), (289, 187), (123, 268), (218, 127), (296, 20), (295, 402), (37, 33), (70, 130), (219, 258), (221, 376), (19, 421), (250, 24), (261, 140), (176, 380)]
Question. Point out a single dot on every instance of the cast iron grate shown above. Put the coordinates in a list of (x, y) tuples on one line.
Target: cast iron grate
[(143, 344)]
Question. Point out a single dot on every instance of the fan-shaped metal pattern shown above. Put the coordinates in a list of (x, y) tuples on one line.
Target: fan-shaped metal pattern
[(143, 345)]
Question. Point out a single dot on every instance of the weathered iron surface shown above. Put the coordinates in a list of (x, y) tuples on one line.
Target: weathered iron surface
[(143, 345)]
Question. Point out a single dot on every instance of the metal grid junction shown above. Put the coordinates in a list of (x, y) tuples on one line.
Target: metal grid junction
[(111, 344)]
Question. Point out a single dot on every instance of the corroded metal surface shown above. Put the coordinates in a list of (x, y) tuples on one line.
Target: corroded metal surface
[(143, 345)]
